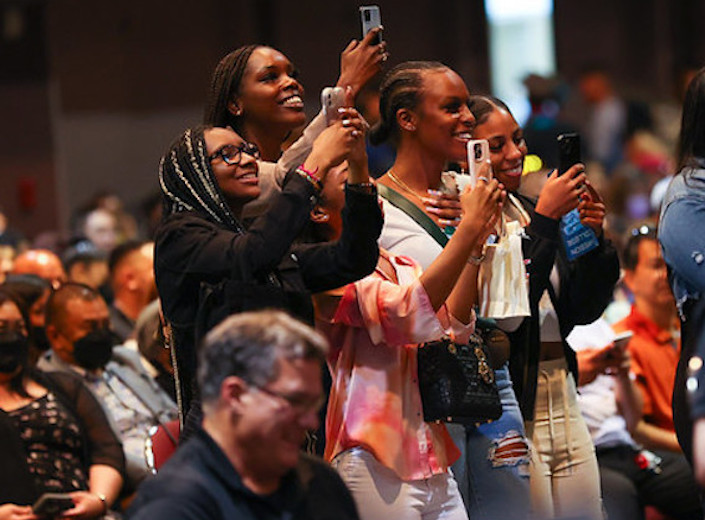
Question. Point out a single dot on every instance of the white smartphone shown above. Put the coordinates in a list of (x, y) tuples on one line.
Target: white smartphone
[(332, 98), (620, 340), (478, 153), (371, 18)]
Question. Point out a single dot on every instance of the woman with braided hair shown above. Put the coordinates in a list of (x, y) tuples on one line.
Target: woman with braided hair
[(255, 91), (208, 264)]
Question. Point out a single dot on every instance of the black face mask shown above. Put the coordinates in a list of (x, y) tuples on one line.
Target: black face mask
[(93, 350), (14, 349), (38, 336)]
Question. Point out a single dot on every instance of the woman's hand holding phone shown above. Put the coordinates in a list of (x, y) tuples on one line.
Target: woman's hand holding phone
[(361, 61), (592, 208), (344, 139), (561, 193), (482, 206)]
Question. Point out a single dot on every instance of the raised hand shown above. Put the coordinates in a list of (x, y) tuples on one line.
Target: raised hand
[(561, 193), (361, 61), (592, 208)]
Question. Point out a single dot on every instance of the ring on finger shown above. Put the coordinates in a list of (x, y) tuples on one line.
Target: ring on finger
[(483, 178), (345, 122), (355, 133)]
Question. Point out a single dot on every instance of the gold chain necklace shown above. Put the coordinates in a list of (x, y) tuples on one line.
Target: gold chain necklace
[(403, 185)]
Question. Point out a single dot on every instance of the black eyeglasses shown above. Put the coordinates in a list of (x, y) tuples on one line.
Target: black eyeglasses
[(232, 154)]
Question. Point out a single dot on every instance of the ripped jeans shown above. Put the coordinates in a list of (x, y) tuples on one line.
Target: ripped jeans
[(493, 470)]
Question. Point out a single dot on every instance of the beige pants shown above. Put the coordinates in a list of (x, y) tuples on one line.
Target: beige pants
[(565, 479)]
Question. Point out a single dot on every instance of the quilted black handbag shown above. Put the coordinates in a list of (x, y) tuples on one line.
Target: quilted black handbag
[(457, 383)]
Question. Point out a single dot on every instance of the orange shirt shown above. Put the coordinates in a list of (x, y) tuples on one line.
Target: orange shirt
[(655, 354)]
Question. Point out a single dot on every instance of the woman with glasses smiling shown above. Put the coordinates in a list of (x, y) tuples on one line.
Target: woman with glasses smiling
[(209, 265)]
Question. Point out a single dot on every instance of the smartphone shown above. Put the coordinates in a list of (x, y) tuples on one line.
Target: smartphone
[(568, 151), (332, 98), (620, 340), (52, 504), (478, 153), (371, 18)]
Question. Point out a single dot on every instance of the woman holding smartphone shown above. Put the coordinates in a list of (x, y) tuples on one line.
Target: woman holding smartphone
[(394, 463), (424, 113), (54, 435), (562, 293), (255, 91)]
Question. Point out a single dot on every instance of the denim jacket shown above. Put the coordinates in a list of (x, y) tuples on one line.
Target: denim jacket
[(681, 237)]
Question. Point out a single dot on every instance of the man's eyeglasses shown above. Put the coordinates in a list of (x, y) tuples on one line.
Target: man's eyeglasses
[(298, 404), (232, 154)]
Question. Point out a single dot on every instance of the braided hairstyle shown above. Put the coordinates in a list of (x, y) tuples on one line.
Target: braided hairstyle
[(401, 88), (225, 84), (187, 181)]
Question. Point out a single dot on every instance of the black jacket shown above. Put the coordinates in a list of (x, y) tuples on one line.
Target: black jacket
[(199, 482), (192, 250), (586, 287)]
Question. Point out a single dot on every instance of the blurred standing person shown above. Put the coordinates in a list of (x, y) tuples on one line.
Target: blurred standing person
[(683, 250), (606, 126)]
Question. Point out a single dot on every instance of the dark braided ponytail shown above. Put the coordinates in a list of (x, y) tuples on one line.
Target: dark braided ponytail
[(400, 88), (225, 84)]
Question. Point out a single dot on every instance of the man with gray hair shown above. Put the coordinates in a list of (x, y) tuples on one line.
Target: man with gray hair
[(260, 381)]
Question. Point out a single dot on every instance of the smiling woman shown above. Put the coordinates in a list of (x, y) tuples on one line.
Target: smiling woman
[(208, 264), (255, 91)]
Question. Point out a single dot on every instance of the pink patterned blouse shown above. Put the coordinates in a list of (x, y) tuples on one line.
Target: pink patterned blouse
[(374, 329)]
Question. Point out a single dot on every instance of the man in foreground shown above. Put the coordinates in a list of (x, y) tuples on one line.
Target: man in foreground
[(259, 375)]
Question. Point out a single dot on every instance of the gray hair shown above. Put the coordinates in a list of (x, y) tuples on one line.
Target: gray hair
[(249, 345)]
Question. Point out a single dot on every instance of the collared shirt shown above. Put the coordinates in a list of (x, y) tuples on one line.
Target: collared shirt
[(655, 353), (374, 330)]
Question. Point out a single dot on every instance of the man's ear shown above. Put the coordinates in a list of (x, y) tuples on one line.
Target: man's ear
[(319, 215), (232, 391), (406, 119), (234, 108)]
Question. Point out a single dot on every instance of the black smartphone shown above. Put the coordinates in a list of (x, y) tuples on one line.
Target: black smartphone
[(52, 504), (568, 151), (371, 18)]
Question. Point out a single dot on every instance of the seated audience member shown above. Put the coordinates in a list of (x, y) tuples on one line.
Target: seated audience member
[(7, 260), (82, 343), (154, 349), (132, 281), (86, 264), (43, 263), (655, 346), (259, 375), (34, 294), (54, 436), (631, 477)]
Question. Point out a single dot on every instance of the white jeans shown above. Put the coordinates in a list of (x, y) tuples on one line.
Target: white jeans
[(381, 495)]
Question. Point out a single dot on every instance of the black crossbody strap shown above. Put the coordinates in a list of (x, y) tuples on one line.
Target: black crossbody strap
[(423, 220)]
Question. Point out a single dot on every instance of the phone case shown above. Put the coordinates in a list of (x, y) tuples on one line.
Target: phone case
[(478, 153), (371, 18), (332, 98), (51, 504), (568, 151)]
